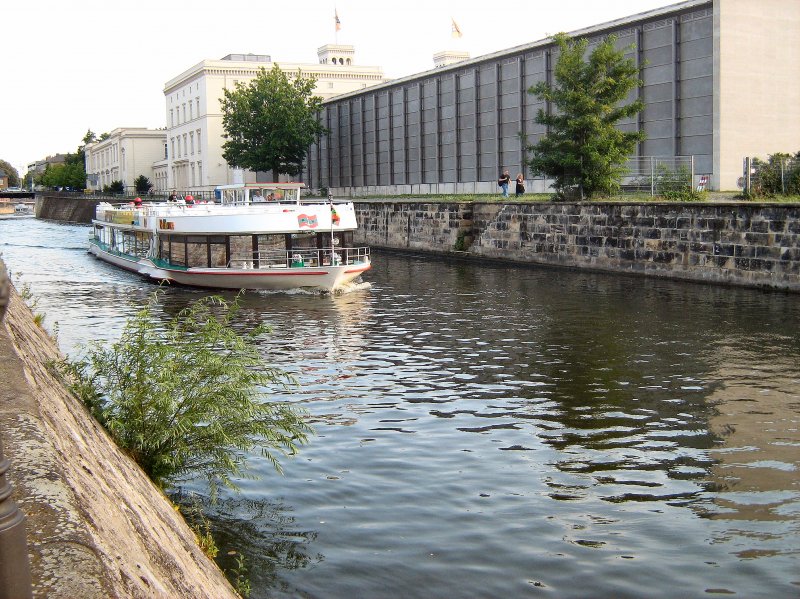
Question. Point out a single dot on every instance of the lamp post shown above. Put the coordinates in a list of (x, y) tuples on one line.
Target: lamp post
[(15, 571)]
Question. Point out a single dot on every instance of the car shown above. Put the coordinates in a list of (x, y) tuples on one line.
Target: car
[(14, 189)]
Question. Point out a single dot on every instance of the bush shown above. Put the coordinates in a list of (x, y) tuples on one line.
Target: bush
[(114, 187), (677, 185), (778, 175), (142, 185), (185, 399)]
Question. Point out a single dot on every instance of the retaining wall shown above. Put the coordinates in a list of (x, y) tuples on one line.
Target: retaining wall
[(737, 243), (66, 208), (96, 526)]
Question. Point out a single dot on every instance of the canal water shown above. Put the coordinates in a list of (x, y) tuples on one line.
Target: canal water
[(496, 431)]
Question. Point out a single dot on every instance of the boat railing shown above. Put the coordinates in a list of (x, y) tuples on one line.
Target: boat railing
[(298, 258)]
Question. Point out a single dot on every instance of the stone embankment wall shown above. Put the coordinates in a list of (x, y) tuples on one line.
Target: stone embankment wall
[(752, 244), (96, 526), (66, 208)]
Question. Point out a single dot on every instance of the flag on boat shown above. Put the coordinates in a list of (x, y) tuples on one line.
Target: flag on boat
[(456, 31), (334, 217), (336, 19)]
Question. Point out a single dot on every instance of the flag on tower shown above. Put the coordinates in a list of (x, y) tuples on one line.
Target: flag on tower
[(455, 29), (336, 19)]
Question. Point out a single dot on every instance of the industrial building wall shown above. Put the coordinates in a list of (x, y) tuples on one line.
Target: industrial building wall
[(456, 128), (758, 101)]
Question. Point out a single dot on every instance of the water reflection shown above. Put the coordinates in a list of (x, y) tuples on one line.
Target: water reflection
[(264, 533), (497, 431)]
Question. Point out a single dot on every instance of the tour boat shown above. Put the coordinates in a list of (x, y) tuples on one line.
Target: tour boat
[(251, 236)]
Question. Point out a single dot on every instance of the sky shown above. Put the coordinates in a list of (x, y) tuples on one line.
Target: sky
[(69, 67)]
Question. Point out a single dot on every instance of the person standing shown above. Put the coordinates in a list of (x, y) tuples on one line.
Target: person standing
[(520, 189), (503, 182)]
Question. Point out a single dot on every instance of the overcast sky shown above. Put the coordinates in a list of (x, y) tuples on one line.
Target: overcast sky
[(70, 66)]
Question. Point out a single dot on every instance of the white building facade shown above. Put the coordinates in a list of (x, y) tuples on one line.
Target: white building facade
[(123, 156), (194, 134)]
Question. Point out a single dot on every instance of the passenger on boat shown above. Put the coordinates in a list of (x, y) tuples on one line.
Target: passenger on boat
[(271, 197), (190, 200), (173, 197), (257, 197), (137, 202)]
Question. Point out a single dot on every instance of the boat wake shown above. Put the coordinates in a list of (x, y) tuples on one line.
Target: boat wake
[(352, 286)]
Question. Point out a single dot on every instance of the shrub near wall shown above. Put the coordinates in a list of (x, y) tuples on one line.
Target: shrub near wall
[(743, 244)]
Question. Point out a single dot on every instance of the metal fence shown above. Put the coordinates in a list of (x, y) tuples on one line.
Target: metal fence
[(662, 175), (777, 175)]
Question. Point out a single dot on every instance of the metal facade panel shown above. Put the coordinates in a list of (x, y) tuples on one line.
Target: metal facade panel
[(458, 123)]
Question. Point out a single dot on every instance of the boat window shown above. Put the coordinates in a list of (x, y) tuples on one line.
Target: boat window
[(304, 241), (218, 255), (196, 252), (177, 250)]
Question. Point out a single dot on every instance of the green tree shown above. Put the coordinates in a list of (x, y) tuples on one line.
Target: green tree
[(116, 186), (13, 174), (69, 174), (583, 150), (142, 185), (89, 137), (271, 122), (186, 398)]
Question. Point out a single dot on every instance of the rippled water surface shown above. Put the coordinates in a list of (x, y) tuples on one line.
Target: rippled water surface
[(492, 431)]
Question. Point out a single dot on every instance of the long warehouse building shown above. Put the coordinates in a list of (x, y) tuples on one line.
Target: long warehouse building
[(720, 83)]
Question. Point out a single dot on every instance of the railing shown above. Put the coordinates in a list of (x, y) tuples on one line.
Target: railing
[(297, 258)]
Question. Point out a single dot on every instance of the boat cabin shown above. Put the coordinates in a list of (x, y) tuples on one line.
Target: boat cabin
[(255, 193)]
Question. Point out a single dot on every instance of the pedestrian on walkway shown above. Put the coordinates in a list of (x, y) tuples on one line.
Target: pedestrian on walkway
[(520, 189), (503, 182)]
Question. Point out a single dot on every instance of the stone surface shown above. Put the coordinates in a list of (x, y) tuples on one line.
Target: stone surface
[(97, 527), (741, 243)]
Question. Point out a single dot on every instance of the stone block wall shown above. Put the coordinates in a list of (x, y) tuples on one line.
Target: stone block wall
[(413, 225), (65, 208), (752, 244)]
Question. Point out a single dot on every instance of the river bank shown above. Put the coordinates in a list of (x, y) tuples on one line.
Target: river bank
[(742, 243), (96, 525)]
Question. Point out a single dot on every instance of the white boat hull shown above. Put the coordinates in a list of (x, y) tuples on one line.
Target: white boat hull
[(326, 278)]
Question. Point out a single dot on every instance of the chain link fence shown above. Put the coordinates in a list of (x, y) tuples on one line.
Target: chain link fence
[(662, 176), (778, 175)]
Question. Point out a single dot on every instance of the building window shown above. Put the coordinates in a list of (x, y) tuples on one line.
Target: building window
[(165, 152), (171, 118), (191, 143), (200, 173), (184, 113), (199, 147), (191, 110), (172, 140), (185, 146), (197, 101)]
